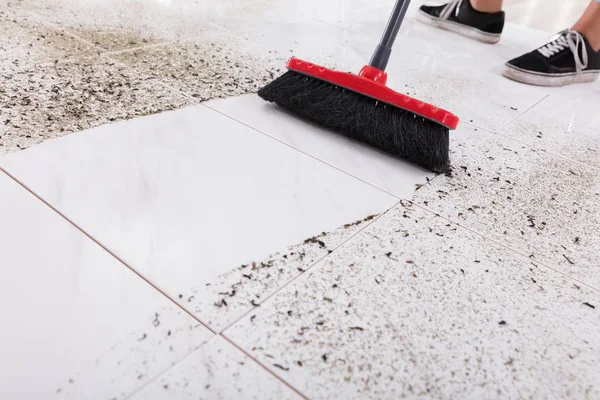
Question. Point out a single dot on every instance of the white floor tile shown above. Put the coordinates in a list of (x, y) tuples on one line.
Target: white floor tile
[(217, 370), (188, 195), (562, 126), (76, 322), (416, 307), (539, 204)]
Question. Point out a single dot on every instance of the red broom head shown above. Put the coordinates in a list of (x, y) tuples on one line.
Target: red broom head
[(371, 82)]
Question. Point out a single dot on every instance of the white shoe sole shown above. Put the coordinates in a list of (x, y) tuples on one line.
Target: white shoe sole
[(461, 29), (540, 79)]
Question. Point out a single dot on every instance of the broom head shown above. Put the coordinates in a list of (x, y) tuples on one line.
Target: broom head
[(363, 108)]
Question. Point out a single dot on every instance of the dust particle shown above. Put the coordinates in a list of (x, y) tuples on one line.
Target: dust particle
[(281, 367)]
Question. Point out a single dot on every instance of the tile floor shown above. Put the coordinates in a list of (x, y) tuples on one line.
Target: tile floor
[(166, 234)]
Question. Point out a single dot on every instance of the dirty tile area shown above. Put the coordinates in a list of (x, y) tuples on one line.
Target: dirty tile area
[(118, 25), (25, 42), (205, 69), (217, 370), (238, 291), (74, 317), (418, 307), (542, 205), (561, 126), (50, 100)]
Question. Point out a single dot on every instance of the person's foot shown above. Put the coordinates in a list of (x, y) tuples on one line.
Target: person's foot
[(459, 16), (565, 60)]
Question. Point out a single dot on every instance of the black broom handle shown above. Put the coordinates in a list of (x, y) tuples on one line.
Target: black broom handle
[(382, 53)]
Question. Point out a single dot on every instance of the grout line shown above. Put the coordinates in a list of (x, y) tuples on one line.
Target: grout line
[(165, 43), (499, 244), (303, 152), (107, 250), (313, 265)]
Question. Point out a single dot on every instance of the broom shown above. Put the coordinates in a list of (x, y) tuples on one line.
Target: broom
[(363, 108)]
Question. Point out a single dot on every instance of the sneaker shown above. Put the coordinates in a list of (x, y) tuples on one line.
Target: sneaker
[(565, 60), (459, 16)]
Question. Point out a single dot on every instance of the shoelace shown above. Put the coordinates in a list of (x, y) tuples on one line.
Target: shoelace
[(451, 6), (574, 41)]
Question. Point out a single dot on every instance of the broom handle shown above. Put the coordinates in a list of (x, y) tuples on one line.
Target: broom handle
[(382, 53)]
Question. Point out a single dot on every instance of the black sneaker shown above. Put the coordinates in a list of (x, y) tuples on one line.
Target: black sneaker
[(459, 16), (565, 60)]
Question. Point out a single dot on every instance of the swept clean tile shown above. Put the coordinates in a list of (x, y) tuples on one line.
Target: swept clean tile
[(217, 370), (188, 195), (539, 204), (416, 307), (75, 320)]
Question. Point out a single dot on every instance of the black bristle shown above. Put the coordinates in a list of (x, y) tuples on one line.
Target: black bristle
[(386, 127)]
